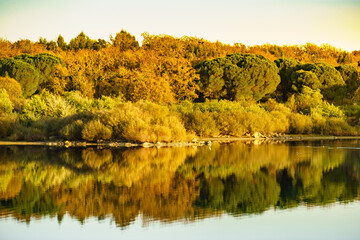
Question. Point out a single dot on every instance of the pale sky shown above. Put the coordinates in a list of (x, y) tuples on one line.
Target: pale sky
[(336, 22)]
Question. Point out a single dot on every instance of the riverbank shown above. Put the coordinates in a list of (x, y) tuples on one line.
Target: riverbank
[(194, 142)]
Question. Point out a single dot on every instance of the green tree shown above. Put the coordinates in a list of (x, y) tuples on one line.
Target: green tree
[(48, 66), (286, 68), (27, 75), (124, 41), (61, 42), (350, 76), (81, 42), (329, 81), (294, 76), (99, 44), (303, 79), (238, 76)]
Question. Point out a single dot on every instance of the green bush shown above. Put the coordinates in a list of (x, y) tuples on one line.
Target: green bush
[(337, 126), (280, 122), (233, 118), (6, 106), (202, 124), (34, 108), (105, 102), (72, 131), (8, 124), (318, 123), (79, 102), (28, 134)]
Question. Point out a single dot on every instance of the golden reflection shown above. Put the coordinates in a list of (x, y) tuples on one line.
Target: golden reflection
[(169, 184)]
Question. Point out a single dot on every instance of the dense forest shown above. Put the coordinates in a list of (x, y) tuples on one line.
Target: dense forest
[(172, 89)]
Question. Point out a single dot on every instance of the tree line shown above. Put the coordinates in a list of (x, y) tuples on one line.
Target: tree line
[(167, 70)]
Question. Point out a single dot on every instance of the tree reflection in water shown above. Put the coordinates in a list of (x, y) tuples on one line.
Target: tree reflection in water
[(170, 184)]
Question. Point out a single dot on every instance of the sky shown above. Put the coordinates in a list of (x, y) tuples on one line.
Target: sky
[(251, 22)]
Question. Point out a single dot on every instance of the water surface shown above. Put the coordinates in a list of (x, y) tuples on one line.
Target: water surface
[(270, 191)]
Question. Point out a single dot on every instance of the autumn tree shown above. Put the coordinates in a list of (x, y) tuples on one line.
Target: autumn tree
[(83, 70)]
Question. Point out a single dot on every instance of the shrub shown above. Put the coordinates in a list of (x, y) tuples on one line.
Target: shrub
[(6, 106), (72, 131), (230, 123), (58, 106), (280, 122), (203, 124), (105, 102), (12, 87), (328, 110), (318, 122), (337, 126), (143, 122), (7, 125), (28, 134), (300, 123), (79, 102), (95, 130), (34, 109)]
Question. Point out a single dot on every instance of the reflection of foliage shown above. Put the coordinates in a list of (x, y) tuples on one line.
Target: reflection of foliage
[(169, 184), (252, 194), (31, 201)]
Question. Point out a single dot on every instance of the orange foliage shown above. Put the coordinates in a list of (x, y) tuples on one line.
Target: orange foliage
[(161, 70)]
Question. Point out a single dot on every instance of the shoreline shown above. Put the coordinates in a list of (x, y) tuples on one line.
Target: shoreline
[(195, 142)]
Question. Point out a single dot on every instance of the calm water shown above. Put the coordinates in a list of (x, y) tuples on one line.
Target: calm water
[(269, 191)]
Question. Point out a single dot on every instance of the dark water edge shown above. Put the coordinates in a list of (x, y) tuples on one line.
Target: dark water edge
[(178, 187)]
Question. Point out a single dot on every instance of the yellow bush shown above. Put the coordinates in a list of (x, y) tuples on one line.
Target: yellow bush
[(300, 123), (230, 124), (12, 87), (95, 130), (280, 122), (6, 105), (201, 123)]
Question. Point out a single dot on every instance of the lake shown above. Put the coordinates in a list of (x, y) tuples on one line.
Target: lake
[(292, 190)]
